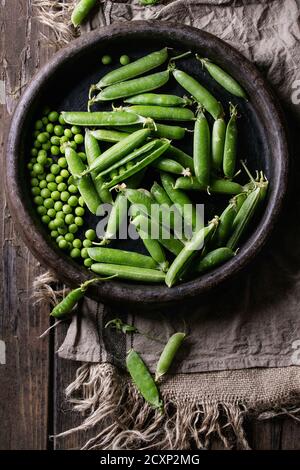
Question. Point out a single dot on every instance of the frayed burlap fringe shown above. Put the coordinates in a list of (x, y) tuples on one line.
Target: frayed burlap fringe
[(111, 402), (56, 15), (44, 289)]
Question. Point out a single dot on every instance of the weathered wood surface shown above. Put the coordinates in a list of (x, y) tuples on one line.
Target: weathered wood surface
[(32, 381)]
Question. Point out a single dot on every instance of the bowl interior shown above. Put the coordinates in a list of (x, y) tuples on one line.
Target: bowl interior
[(64, 85)]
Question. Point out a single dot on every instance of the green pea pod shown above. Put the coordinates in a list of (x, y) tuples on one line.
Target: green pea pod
[(140, 165), (134, 69), (159, 130), (164, 237), (168, 354), (92, 151), (155, 99), (223, 78), (102, 118), (132, 87), (81, 11), (227, 217), (68, 303), (115, 256), (161, 113), (181, 157), (130, 273), (85, 184), (143, 380), (201, 95), (163, 199), (202, 156), (171, 166), (190, 250), (141, 198), (116, 217), (246, 213), (155, 250), (214, 259), (182, 201), (118, 151), (218, 142), (230, 146), (109, 136), (216, 186), (132, 156)]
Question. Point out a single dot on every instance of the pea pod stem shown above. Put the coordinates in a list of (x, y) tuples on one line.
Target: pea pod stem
[(143, 380), (168, 354)]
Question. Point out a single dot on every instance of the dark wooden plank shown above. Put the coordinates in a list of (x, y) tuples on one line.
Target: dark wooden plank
[(24, 378)]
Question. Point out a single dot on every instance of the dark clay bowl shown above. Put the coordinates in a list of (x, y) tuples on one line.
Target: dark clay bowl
[(63, 83)]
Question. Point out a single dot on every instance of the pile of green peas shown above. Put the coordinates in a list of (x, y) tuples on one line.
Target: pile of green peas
[(53, 188)]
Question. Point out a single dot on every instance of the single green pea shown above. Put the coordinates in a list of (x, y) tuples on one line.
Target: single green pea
[(124, 60), (90, 234), (62, 162), (106, 59), (79, 211), (38, 169), (43, 184), (51, 213), (73, 228), (45, 219), (64, 196), (41, 176), (63, 244), (68, 133), (69, 219), (73, 201), (61, 187), (59, 179), (63, 140), (73, 189), (38, 125), (48, 203), (55, 169), (37, 144), (52, 186), (84, 253), (59, 222), (42, 159), (69, 237), (55, 140), (77, 243), (38, 200), (53, 116), (42, 137), (62, 149), (45, 120), (35, 191), (50, 128), (42, 210), (58, 130), (60, 215), (33, 152), (78, 138), (79, 221), (61, 120), (34, 182), (64, 173), (54, 233), (33, 159), (51, 226), (88, 262), (73, 144), (75, 253), (82, 155), (113, 174), (87, 243), (81, 201), (60, 237), (55, 195), (45, 193), (47, 145), (58, 206), (55, 150), (29, 166), (67, 209), (42, 153), (50, 178), (75, 130), (62, 230)]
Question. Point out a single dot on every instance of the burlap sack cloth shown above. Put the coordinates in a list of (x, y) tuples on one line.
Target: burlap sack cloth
[(243, 350)]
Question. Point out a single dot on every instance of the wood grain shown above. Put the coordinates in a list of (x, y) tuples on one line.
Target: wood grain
[(33, 379)]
